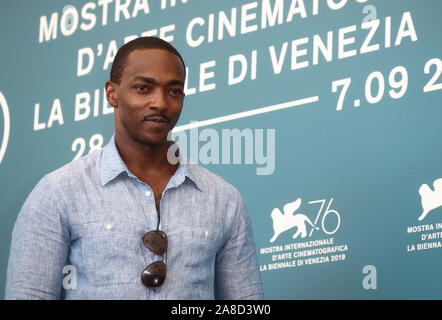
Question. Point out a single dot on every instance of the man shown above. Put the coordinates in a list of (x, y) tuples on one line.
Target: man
[(126, 223)]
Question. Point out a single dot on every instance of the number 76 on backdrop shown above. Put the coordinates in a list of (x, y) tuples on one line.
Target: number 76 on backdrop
[(396, 82)]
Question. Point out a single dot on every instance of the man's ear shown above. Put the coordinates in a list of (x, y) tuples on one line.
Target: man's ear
[(111, 93)]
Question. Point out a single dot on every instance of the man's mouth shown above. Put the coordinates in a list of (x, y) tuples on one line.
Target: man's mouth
[(156, 118)]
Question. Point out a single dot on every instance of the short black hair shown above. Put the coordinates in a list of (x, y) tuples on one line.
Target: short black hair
[(139, 43)]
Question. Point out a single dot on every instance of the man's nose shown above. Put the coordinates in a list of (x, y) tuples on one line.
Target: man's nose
[(159, 99)]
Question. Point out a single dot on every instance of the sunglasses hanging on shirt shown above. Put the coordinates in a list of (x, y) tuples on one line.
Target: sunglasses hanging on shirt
[(154, 274)]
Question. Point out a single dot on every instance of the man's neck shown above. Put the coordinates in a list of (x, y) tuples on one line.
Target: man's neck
[(145, 161)]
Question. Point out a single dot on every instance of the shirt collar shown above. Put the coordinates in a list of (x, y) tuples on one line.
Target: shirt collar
[(112, 165)]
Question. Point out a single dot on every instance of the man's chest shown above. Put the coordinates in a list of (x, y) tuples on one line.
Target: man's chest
[(106, 238), (139, 204)]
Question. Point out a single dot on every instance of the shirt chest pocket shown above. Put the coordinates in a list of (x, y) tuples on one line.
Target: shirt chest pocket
[(111, 252), (199, 247)]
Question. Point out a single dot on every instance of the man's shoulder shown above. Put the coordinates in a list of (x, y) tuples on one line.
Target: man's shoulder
[(52, 189), (85, 167), (209, 180)]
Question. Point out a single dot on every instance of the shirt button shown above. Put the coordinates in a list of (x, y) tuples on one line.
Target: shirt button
[(108, 226), (148, 193)]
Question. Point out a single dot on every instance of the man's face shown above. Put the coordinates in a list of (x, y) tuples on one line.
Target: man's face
[(149, 99)]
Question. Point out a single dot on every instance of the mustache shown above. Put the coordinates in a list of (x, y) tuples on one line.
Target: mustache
[(156, 115)]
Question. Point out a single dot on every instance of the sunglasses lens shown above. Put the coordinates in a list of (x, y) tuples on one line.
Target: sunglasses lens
[(156, 241), (154, 274)]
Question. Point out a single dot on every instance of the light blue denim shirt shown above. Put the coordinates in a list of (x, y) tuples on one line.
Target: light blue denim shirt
[(91, 214)]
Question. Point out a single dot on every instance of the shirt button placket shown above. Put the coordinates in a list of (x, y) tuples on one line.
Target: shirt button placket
[(148, 194)]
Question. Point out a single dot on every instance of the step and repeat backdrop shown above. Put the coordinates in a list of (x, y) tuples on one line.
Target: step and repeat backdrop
[(325, 114)]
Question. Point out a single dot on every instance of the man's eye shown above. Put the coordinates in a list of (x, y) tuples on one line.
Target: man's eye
[(176, 92), (142, 88)]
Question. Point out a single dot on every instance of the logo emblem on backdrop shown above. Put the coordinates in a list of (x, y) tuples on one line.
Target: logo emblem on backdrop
[(430, 199), (6, 126), (426, 236), (305, 251), (288, 220)]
